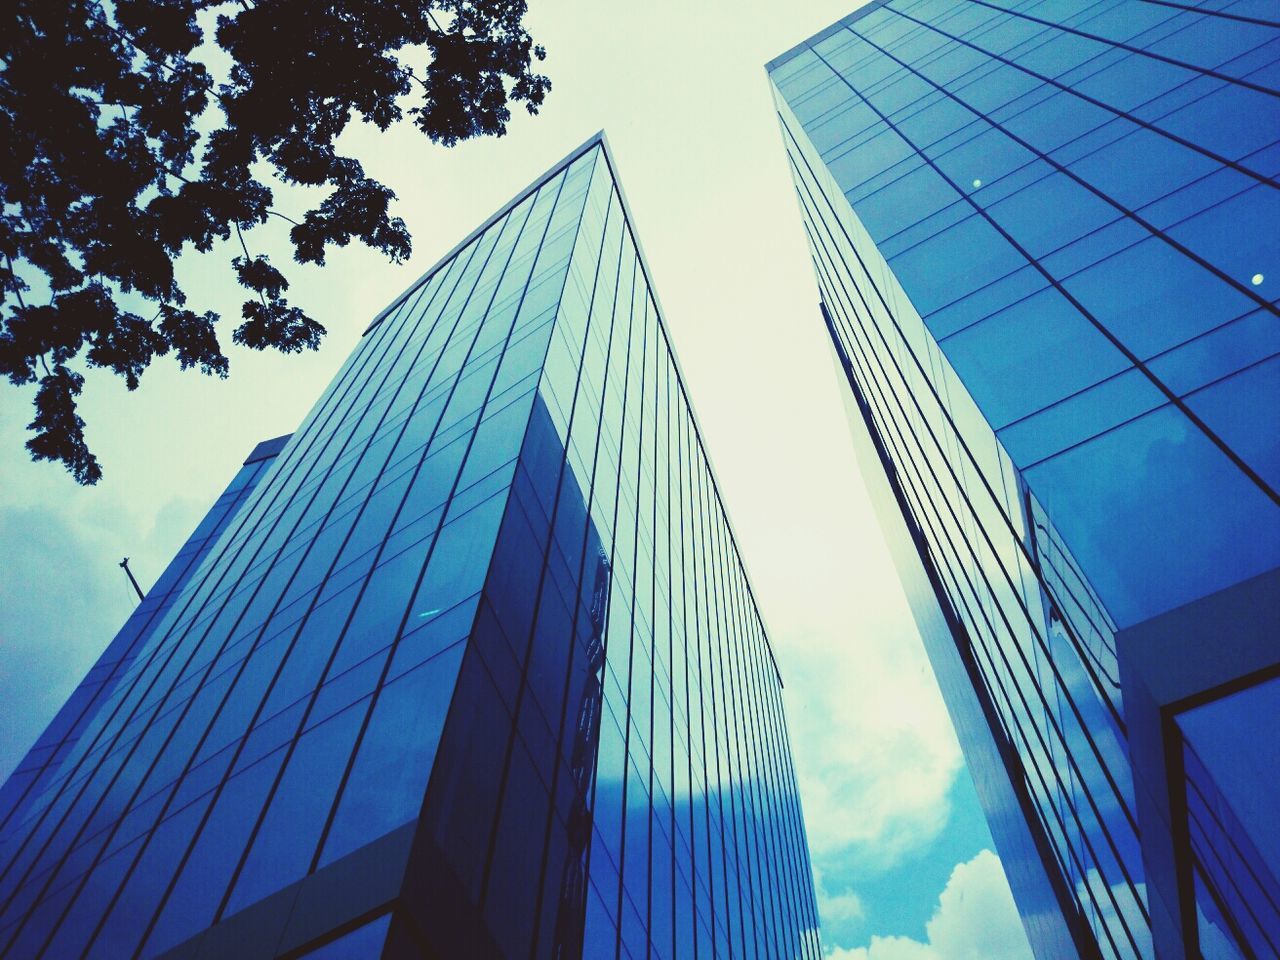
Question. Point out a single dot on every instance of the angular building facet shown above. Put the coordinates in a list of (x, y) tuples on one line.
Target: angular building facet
[(467, 666), (1045, 238)]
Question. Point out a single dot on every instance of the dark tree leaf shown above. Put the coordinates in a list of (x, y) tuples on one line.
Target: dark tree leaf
[(194, 339), (59, 431), (259, 275), (273, 323), (358, 208), (111, 165)]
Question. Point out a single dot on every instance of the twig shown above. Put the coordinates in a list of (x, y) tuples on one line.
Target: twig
[(261, 296), (13, 274)]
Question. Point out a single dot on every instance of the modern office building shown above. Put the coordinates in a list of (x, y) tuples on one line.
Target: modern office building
[(467, 666), (1047, 247)]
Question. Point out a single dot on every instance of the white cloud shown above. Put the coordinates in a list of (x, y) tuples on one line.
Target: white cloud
[(836, 909), (876, 754), (64, 597), (975, 920), (886, 948)]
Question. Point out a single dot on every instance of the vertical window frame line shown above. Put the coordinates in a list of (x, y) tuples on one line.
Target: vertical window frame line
[(766, 921), (734, 733), (659, 386), (652, 604), (701, 781), (635, 554), (719, 718), (682, 473), (672, 457), (694, 571), (613, 546), (769, 854), (671, 460)]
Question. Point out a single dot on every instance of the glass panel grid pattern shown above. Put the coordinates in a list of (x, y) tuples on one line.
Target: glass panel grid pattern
[(1150, 132), (1056, 698), (249, 705), (698, 837), (1041, 236), (486, 592), (1231, 769)]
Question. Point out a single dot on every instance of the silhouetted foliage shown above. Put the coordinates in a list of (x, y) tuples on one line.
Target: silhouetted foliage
[(121, 149)]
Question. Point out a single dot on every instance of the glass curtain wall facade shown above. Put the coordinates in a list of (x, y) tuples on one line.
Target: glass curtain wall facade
[(1044, 238), (473, 670)]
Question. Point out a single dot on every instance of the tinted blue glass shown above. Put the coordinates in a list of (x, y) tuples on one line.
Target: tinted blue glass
[(1232, 740), (365, 941), (430, 661), (1040, 234)]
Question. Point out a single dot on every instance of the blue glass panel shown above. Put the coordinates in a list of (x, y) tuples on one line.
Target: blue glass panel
[(386, 785), (1029, 355), (360, 944), (1232, 737)]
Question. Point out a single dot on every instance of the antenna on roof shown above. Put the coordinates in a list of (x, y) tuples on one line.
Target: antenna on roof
[(132, 579)]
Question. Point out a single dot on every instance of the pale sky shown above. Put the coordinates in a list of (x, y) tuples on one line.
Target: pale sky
[(897, 840)]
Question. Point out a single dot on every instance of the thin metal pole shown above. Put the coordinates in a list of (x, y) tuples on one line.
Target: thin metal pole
[(132, 579)]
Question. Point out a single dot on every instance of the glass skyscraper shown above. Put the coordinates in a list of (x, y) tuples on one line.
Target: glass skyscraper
[(467, 666), (1046, 236)]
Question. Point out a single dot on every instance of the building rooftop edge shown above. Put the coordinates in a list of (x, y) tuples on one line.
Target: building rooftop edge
[(599, 139), (821, 35), (267, 449), (574, 154)]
